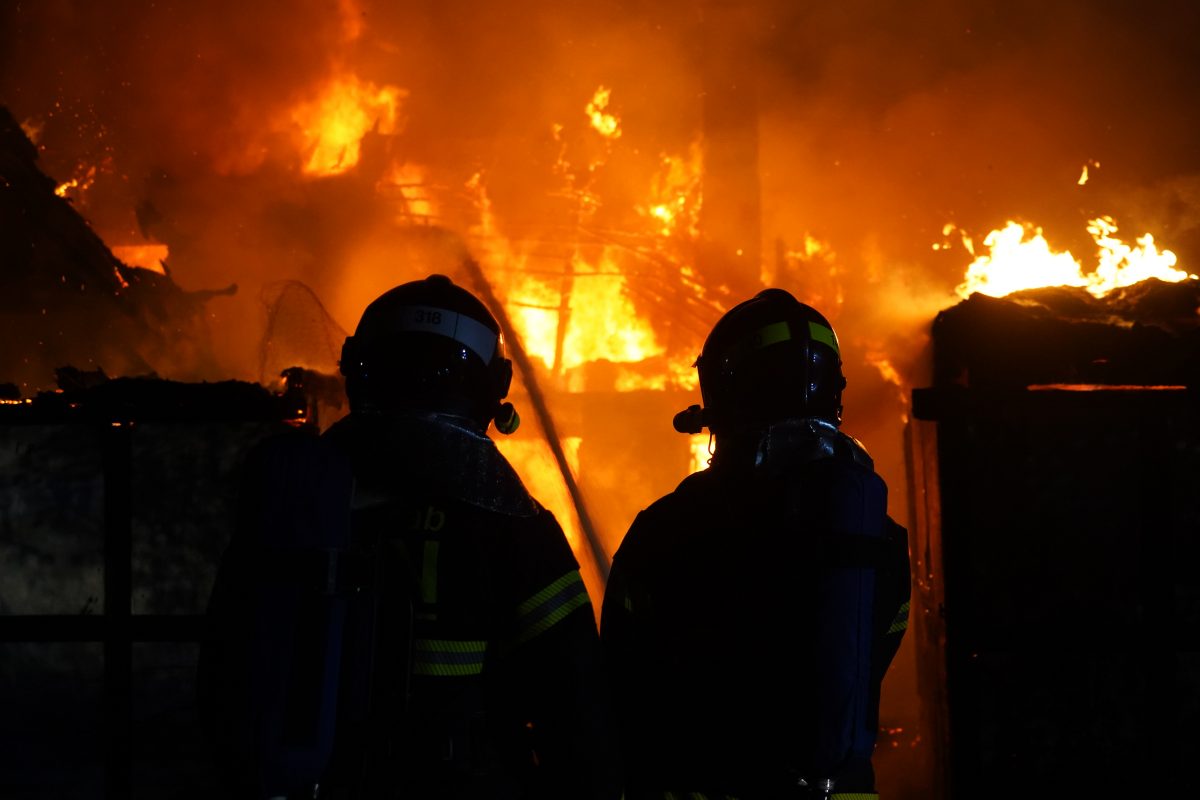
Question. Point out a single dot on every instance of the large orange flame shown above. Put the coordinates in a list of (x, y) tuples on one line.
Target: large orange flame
[(335, 121), (1019, 258)]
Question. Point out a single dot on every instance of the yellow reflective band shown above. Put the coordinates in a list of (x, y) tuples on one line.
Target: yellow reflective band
[(429, 576), (820, 333), (540, 612), (448, 657), (854, 796), (771, 334), (900, 623)]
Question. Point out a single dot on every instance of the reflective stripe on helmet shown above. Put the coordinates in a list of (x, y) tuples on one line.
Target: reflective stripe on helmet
[(819, 333), (463, 329), (778, 332), (448, 657), (771, 334)]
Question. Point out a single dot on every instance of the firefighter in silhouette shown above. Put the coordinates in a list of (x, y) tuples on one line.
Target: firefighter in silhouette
[(397, 617), (750, 615)]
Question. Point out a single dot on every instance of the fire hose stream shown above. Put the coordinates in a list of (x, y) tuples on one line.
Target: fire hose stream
[(538, 400)]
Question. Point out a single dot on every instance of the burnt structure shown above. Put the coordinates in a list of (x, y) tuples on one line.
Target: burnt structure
[(1055, 470), (66, 299)]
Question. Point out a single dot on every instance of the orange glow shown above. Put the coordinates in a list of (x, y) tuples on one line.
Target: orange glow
[(880, 361), (538, 470), (1019, 258), (1101, 387), (33, 129), (701, 452), (606, 124), (143, 256), (334, 123)]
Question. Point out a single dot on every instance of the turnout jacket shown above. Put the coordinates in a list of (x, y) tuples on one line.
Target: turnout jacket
[(469, 661), (748, 621)]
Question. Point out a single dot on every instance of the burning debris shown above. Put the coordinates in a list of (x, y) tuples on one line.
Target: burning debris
[(1147, 334), (67, 299)]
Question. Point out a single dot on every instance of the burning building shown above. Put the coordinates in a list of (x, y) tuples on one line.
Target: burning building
[(613, 180)]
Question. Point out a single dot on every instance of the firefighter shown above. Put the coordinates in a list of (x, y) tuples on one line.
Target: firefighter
[(750, 615), (455, 651)]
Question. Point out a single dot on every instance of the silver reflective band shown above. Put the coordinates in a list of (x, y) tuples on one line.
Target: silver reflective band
[(459, 327)]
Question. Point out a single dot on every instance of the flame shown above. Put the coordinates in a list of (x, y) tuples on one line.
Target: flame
[(676, 194), (604, 323), (881, 362), (1083, 178), (143, 256), (409, 181), (334, 123), (1121, 265), (82, 182), (1021, 258), (606, 124), (601, 321)]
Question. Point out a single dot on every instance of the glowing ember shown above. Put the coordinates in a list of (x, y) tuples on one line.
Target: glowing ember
[(334, 123), (1021, 258), (81, 183), (606, 124), (143, 256), (33, 129), (1083, 178)]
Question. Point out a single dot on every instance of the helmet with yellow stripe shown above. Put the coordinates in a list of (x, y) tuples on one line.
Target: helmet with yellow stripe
[(770, 358)]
